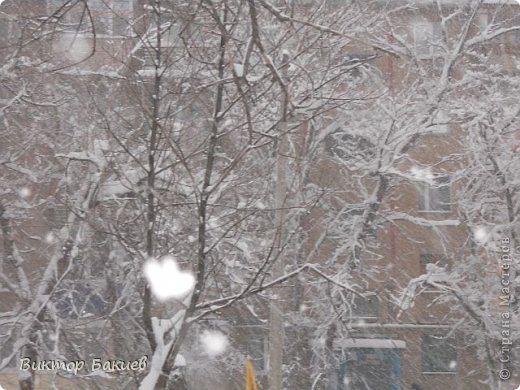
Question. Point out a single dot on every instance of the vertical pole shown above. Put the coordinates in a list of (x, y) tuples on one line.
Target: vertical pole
[(276, 327), (276, 320)]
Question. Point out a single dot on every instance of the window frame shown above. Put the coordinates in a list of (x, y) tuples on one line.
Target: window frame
[(349, 358), (104, 13), (170, 34), (428, 192), (340, 142), (258, 335), (514, 36), (445, 344), (88, 299), (169, 31), (6, 24), (431, 33), (482, 21), (57, 216), (355, 303)]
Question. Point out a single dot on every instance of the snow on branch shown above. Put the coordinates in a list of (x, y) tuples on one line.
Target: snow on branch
[(163, 329), (220, 303), (435, 276), (396, 216)]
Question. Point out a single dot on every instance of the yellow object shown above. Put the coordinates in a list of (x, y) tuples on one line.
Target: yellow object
[(250, 376)]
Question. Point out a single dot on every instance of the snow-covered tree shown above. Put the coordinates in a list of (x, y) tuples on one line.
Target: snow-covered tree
[(171, 166), (171, 150)]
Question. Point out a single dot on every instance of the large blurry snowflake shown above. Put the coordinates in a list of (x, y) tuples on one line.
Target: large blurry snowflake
[(73, 46), (214, 343), (481, 235), (422, 174), (166, 280), (24, 192), (49, 238)]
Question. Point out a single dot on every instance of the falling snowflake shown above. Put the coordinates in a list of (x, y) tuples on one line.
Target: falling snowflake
[(422, 174), (239, 70), (481, 235), (24, 192), (453, 365), (360, 322), (166, 280), (73, 46), (49, 238), (213, 342)]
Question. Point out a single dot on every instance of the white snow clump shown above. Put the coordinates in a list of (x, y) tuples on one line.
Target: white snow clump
[(213, 342), (24, 192), (49, 238), (422, 174), (166, 280), (481, 235)]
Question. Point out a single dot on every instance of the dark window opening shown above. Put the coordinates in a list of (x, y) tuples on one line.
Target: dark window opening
[(347, 146), (435, 197), (364, 307), (439, 354), (256, 349)]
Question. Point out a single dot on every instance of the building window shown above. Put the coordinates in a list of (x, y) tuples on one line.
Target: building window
[(346, 146), (357, 63), (515, 34), (439, 354), (5, 25), (116, 5), (123, 5), (435, 196), (427, 39), (80, 301), (350, 217), (169, 31), (482, 21), (57, 216), (149, 57), (369, 368), (256, 349), (515, 37), (110, 17), (364, 307)]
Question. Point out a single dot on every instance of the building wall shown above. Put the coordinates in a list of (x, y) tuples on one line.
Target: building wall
[(400, 252)]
